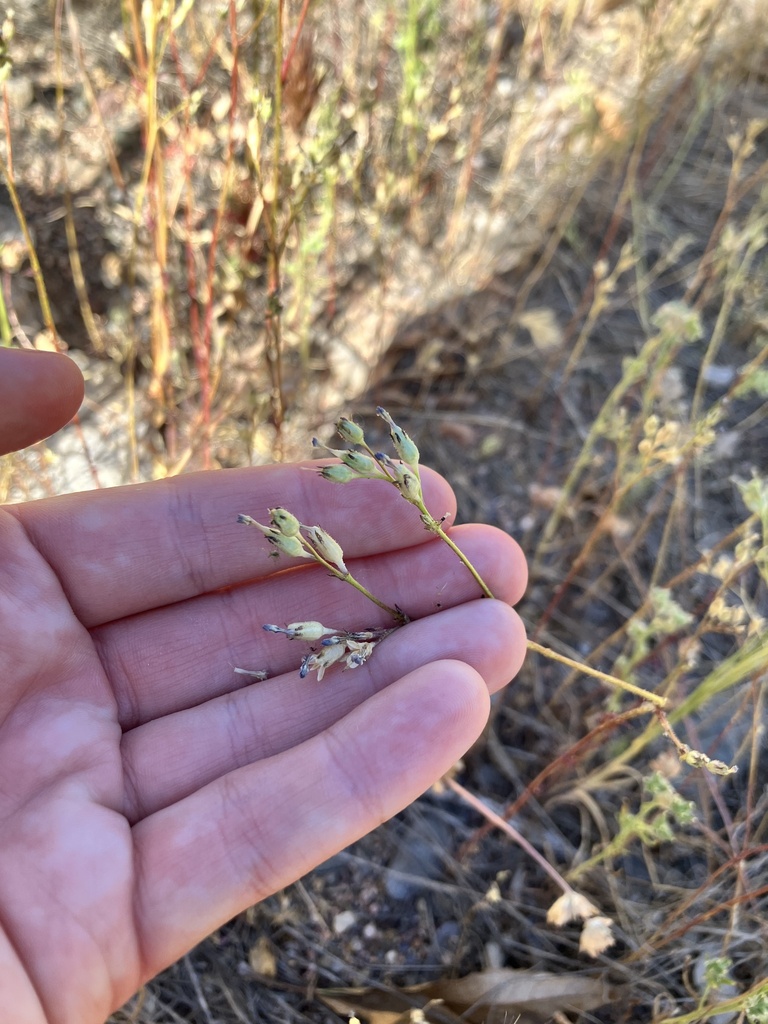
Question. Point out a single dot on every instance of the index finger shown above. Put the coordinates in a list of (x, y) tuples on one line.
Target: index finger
[(129, 549)]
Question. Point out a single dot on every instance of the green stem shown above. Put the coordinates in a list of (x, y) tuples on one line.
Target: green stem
[(347, 577), (437, 528)]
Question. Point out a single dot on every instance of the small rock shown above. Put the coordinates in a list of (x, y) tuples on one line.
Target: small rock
[(344, 921)]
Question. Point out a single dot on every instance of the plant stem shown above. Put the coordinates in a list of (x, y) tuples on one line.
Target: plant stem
[(440, 532), (347, 577), (638, 691), (510, 830)]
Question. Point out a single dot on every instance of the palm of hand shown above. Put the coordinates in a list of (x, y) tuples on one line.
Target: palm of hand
[(147, 795)]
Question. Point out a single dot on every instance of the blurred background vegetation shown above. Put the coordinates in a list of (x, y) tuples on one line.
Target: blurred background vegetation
[(536, 231)]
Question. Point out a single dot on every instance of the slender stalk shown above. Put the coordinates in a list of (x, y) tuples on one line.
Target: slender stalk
[(438, 530), (638, 691), (6, 169), (511, 831), (347, 577)]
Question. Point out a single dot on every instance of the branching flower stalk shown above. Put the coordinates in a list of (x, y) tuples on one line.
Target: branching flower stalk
[(406, 477), (289, 536), (286, 538)]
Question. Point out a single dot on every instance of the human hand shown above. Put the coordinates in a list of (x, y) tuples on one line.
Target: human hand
[(39, 393), (147, 792)]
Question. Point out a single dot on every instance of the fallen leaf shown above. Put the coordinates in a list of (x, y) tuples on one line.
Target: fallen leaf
[(486, 997)]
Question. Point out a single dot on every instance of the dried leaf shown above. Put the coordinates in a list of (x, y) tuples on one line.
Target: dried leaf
[(381, 1006), (536, 994), (487, 997)]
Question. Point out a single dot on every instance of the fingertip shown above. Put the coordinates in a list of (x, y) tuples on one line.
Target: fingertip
[(40, 392), (455, 703)]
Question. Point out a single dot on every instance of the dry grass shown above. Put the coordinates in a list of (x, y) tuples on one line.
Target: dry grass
[(539, 236)]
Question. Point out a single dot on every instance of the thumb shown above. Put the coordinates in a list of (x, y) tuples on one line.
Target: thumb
[(39, 393)]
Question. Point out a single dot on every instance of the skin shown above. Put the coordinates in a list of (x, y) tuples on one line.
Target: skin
[(147, 792)]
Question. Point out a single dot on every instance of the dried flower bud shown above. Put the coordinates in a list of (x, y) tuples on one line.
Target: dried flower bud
[(269, 532), (386, 461), (338, 474), (327, 547), (283, 521), (248, 521), (310, 630), (405, 446), (350, 431)]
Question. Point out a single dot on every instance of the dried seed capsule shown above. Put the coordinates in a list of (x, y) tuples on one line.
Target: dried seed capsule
[(327, 657), (310, 630), (338, 474), (321, 661), (283, 521), (358, 654), (350, 431), (327, 547)]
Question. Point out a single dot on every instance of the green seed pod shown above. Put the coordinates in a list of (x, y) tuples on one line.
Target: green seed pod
[(338, 474), (363, 465), (327, 547), (283, 521), (406, 482), (409, 487), (288, 545), (350, 431), (405, 446)]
